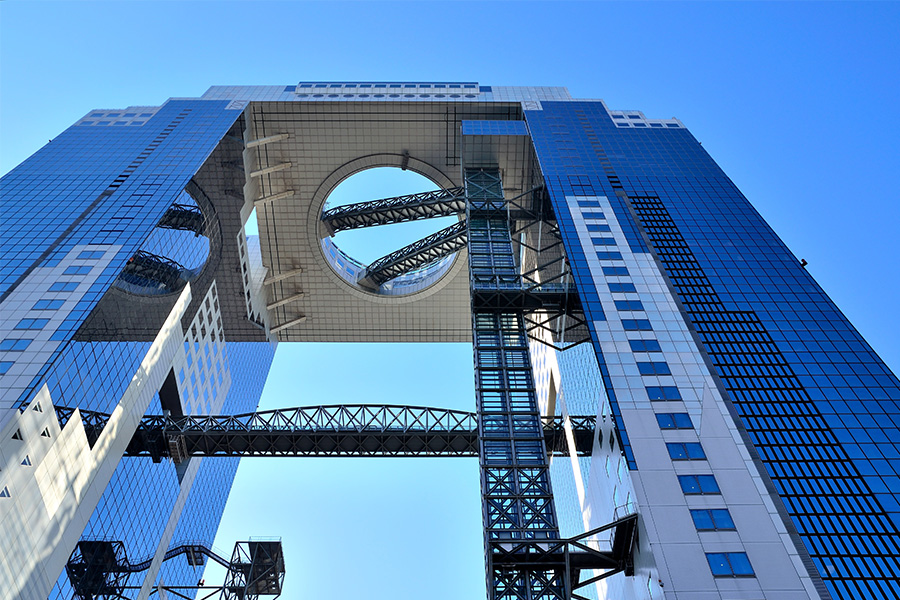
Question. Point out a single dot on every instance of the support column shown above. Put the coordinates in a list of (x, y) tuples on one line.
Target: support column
[(517, 500)]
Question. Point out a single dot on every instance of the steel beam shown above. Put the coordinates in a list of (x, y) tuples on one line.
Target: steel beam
[(339, 430), (400, 209), (415, 256)]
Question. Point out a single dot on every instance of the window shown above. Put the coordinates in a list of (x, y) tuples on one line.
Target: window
[(90, 255), (593, 215), (717, 519), (621, 287), (14, 345), (686, 451), (603, 241), (644, 346), (48, 305), (698, 484), (611, 271), (729, 564), (83, 270), (637, 325), (598, 227), (64, 286), (32, 323), (663, 392), (609, 255), (674, 421), (588, 204), (654, 368), (5, 366), (629, 305)]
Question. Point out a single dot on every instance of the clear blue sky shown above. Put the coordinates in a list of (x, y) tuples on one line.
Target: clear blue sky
[(797, 102)]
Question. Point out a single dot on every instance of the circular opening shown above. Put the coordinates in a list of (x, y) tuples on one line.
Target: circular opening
[(174, 252), (349, 252)]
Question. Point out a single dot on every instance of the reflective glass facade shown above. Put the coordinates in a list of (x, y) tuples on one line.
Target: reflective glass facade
[(817, 404), (739, 412)]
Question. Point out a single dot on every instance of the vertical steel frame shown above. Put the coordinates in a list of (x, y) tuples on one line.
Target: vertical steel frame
[(517, 500)]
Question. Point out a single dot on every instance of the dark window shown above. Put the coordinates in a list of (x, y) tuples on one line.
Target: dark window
[(603, 241), (90, 255), (637, 325), (674, 421), (588, 204), (712, 520), (686, 451), (14, 345), (598, 227), (644, 346), (593, 215), (48, 305), (5, 366), (32, 323), (698, 484), (609, 255), (611, 271), (622, 287), (654, 368), (663, 392), (729, 564), (629, 305)]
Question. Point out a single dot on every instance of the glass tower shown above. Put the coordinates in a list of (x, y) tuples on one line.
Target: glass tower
[(739, 414)]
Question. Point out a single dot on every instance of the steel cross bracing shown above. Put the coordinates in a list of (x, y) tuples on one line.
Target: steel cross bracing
[(525, 557), (99, 569), (145, 268), (426, 205), (415, 256), (517, 500), (342, 430), (184, 217)]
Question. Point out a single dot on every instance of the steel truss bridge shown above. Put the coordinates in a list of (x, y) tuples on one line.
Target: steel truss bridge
[(521, 288), (337, 430)]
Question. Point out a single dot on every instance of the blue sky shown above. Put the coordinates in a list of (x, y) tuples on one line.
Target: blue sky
[(798, 102)]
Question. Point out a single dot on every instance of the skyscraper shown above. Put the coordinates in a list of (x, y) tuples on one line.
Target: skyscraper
[(603, 266)]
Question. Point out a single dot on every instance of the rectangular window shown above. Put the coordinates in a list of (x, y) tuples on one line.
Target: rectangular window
[(699, 484), (637, 325), (654, 368), (674, 421), (717, 519), (644, 346), (598, 227), (729, 564), (588, 204), (609, 255), (663, 392), (622, 288), (32, 323), (629, 305), (686, 451), (64, 286), (593, 215), (14, 345), (613, 271), (83, 270), (48, 305), (603, 241), (90, 255)]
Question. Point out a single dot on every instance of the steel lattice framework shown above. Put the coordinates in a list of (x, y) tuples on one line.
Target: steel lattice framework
[(183, 217), (99, 569), (339, 430), (146, 269), (400, 209), (415, 256)]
